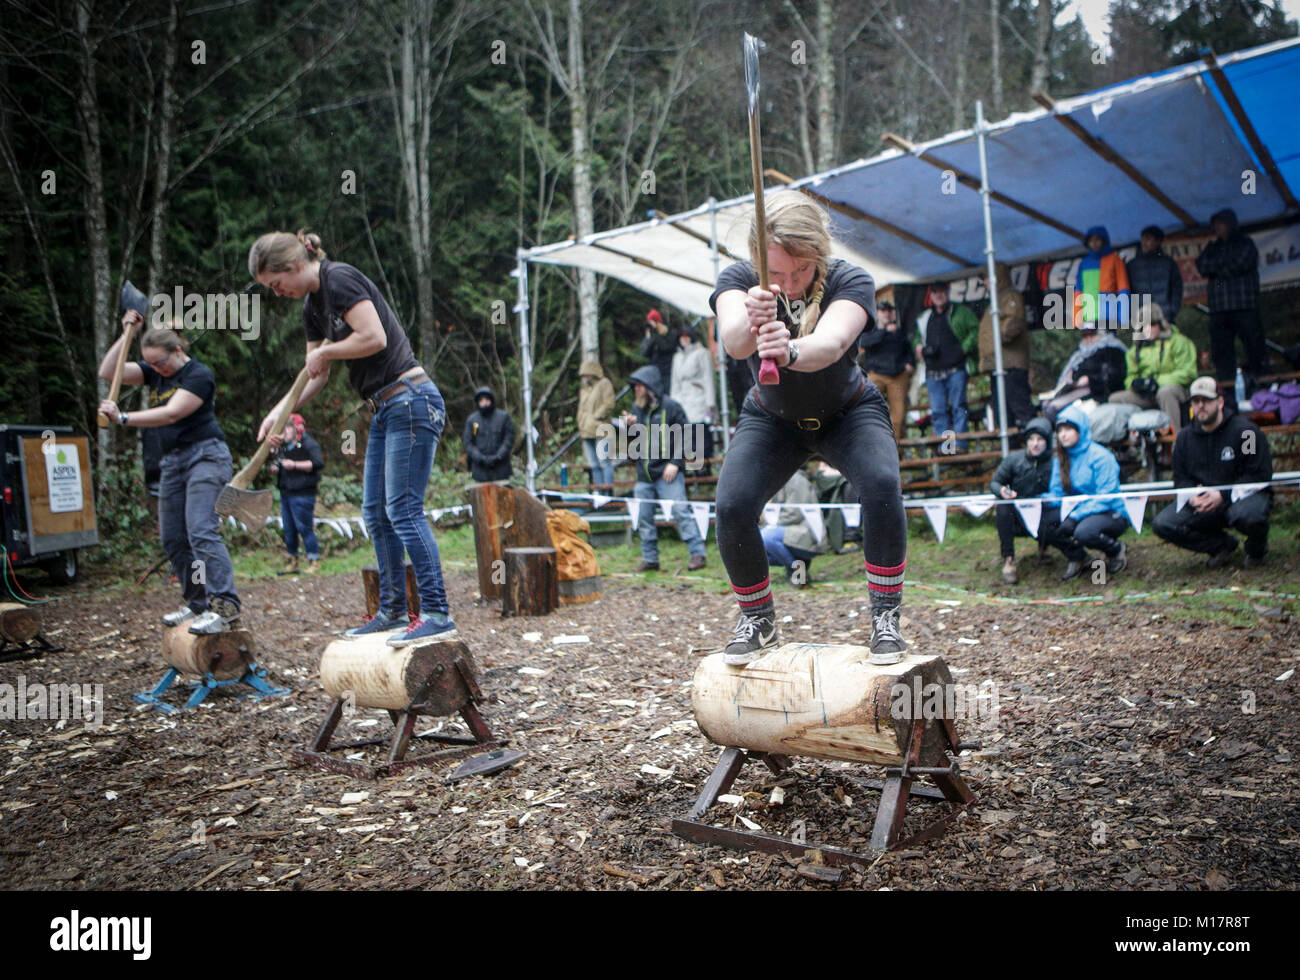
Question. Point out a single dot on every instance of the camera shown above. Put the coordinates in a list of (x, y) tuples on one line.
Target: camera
[(1145, 388)]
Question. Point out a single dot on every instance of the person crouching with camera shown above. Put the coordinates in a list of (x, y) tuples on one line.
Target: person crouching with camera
[(1160, 367)]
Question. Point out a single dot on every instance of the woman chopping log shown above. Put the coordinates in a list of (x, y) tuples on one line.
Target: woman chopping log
[(344, 307), (196, 466), (808, 323)]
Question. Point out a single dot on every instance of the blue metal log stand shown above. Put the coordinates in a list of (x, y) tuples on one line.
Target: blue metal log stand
[(218, 661)]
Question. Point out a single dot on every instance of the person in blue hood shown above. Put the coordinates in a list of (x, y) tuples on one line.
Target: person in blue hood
[(1083, 467)]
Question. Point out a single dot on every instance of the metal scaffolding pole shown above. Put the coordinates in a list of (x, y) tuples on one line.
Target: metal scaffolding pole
[(526, 360), (999, 375), (717, 333)]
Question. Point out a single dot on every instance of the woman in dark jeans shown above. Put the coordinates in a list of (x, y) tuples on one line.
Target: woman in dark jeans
[(298, 468), (344, 307), (195, 467), (808, 323)]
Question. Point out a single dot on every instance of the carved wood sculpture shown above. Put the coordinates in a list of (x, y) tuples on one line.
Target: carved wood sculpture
[(576, 565)]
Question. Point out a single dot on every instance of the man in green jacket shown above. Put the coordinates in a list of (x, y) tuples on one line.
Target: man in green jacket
[(1160, 367)]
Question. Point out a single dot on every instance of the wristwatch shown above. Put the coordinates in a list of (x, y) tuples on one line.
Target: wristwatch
[(122, 417), (792, 351)]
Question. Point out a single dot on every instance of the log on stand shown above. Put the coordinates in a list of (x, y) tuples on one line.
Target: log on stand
[(825, 701), (214, 660), (434, 679), (20, 633), (532, 588), (370, 582)]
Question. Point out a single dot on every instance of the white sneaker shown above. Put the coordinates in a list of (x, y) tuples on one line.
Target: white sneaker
[(182, 615)]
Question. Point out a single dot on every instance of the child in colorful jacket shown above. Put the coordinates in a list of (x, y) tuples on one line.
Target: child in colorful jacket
[(1101, 287)]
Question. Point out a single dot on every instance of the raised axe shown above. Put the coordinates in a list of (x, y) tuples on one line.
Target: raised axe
[(253, 507), (767, 373), (132, 299)]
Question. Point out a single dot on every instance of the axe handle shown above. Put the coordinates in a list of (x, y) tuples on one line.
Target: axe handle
[(115, 388), (767, 374), (245, 476)]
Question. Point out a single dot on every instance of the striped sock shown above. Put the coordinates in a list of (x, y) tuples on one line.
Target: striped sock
[(885, 584), (756, 600)]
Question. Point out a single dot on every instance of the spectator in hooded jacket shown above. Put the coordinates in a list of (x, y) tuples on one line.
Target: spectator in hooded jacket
[(1022, 474), (947, 337), (656, 437), (792, 543), (1153, 274), (298, 466), (1014, 329), (1094, 370), (1160, 367), (489, 438), (1080, 466), (658, 346), (889, 362), (693, 387), (1219, 449), (1230, 262), (595, 405), (1101, 286)]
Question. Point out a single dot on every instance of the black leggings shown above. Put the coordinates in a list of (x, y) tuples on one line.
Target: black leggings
[(766, 450)]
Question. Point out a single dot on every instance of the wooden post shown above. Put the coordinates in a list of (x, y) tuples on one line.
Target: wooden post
[(532, 588), (493, 507), (18, 623), (370, 581)]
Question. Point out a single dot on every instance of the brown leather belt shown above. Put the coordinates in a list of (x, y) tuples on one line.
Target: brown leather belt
[(815, 424), (395, 389)]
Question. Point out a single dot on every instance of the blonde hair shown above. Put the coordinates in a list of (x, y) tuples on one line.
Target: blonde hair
[(802, 228), (163, 338), (279, 251)]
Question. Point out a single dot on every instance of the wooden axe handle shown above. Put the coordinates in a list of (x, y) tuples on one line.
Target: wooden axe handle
[(116, 387), (245, 476)]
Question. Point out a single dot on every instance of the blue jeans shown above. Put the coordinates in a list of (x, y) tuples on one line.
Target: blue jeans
[(298, 512), (399, 460), (192, 479), (682, 515), (948, 404), (780, 553), (597, 453)]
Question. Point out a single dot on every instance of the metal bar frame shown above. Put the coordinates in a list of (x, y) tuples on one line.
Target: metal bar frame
[(1247, 127)]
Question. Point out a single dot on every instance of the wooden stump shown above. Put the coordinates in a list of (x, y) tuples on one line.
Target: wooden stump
[(504, 517), (824, 701), (370, 581), (227, 655), (531, 586), (431, 678), (18, 623)]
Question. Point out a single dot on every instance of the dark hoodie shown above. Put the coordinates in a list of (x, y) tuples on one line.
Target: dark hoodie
[(1028, 476), (489, 437), (1235, 452), (1232, 267), (660, 439)]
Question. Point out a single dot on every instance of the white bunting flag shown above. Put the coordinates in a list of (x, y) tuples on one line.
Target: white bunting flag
[(938, 514), (701, 510), (1031, 512), (1243, 490), (852, 515), (977, 508), (598, 501), (1137, 509), (1182, 497), (771, 514), (1067, 504), (813, 515), (364, 530), (666, 509)]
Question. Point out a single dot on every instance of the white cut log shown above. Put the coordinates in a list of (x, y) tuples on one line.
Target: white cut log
[(227, 654), (819, 700), (380, 676)]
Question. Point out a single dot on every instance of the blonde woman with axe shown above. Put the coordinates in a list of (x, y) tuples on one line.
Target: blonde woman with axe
[(196, 466), (343, 307)]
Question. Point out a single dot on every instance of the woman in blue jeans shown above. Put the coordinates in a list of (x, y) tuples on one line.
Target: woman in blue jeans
[(344, 307), (1083, 467), (195, 465), (298, 468)]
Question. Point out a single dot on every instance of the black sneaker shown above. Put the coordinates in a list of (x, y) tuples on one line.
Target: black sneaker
[(1073, 570), (1254, 561), (1221, 558), (1118, 561), (887, 644), (752, 634)]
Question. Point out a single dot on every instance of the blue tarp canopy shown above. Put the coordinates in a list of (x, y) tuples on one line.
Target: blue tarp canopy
[(1164, 149)]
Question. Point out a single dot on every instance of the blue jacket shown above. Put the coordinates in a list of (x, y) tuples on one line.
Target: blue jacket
[(1093, 469)]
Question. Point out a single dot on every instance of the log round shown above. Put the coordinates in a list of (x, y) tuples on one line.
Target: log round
[(226, 654), (423, 676), (18, 623), (370, 583), (823, 701), (532, 588)]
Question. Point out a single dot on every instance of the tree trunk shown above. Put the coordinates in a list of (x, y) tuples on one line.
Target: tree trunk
[(583, 196), (1042, 48), (995, 28), (826, 131), (961, 34), (532, 588), (162, 162)]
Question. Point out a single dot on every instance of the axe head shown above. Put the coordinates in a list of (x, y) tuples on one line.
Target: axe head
[(133, 299), (252, 507)]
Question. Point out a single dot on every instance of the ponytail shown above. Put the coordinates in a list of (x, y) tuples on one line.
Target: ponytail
[(279, 251)]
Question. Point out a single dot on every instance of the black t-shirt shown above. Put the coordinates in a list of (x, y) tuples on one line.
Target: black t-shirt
[(200, 424), (809, 394), (341, 288)]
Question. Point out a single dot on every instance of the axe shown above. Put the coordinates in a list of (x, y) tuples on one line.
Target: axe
[(767, 374), (253, 507), (132, 299)]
